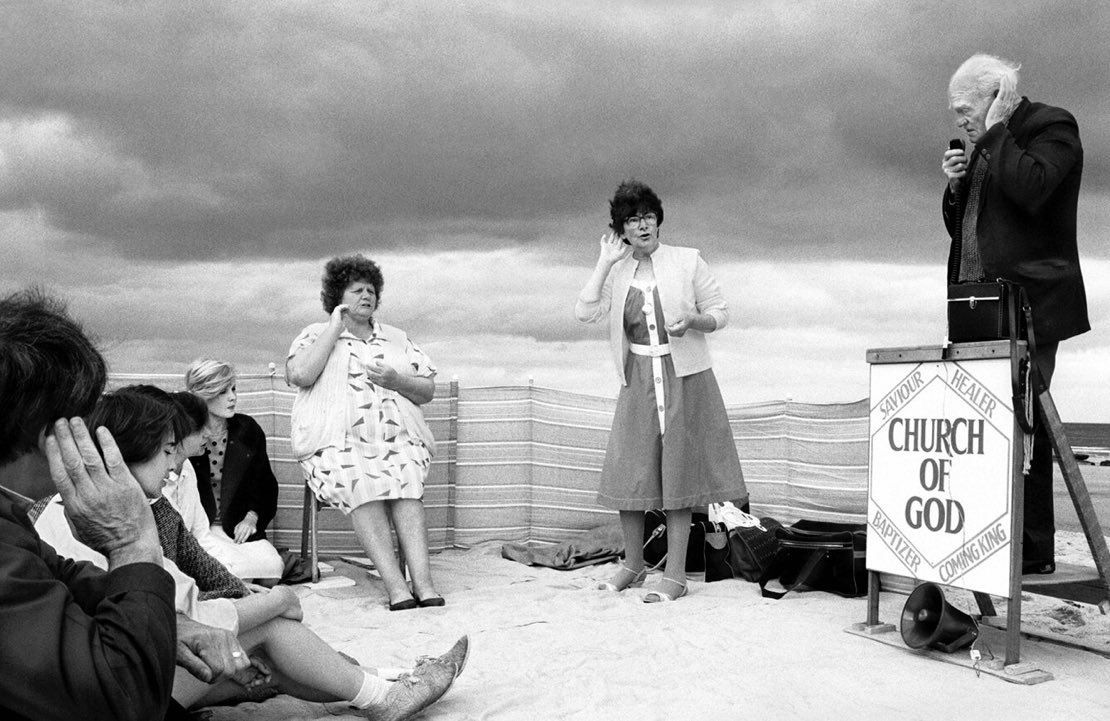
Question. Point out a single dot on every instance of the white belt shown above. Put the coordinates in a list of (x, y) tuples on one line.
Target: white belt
[(654, 351)]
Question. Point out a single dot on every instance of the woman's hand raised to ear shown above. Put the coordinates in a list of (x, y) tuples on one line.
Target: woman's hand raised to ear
[(613, 249)]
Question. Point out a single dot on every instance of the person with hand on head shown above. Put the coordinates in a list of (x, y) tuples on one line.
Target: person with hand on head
[(1011, 210), (357, 428), (285, 656), (236, 484), (77, 641), (671, 445)]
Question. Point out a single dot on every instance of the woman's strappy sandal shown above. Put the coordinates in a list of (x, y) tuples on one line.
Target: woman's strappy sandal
[(658, 595), (635, 580)]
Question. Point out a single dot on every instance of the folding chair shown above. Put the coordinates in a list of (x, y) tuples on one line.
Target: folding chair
[(309, 530)]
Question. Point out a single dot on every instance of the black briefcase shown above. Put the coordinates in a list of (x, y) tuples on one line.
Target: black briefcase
[(655, 539), (983, 311)]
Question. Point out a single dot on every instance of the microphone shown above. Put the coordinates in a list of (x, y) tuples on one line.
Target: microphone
[(957, 229)]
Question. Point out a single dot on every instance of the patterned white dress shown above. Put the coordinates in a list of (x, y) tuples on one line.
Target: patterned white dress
[(379, 460)]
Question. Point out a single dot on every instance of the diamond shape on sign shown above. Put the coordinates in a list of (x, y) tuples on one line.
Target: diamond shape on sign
[(937, 432)]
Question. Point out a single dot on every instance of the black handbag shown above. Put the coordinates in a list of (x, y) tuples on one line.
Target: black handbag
[(818, 556), (655, 540), (744, 552)]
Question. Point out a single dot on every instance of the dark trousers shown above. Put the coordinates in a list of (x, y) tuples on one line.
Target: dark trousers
[(1040, 519)]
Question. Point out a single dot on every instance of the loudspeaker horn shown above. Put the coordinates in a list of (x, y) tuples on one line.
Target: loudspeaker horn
[(928, 620)]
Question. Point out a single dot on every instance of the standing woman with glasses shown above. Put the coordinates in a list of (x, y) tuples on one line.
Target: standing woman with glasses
[(671, 445)]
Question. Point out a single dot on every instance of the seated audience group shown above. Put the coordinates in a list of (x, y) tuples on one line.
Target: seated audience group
[(126, 598)]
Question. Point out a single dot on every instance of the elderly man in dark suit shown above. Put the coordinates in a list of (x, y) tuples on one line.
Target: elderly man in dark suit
[(1018, 194)]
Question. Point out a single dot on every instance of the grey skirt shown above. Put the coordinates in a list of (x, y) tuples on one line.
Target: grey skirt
[(693, 463)]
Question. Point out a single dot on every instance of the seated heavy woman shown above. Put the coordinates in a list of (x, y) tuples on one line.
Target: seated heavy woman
[(283, 651), (234, 479), (356, 427)]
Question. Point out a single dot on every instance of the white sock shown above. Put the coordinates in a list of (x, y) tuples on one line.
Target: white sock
[(373, 691), (390, 673)]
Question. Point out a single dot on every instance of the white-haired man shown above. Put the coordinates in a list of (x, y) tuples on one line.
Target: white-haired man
[(1013, 205)]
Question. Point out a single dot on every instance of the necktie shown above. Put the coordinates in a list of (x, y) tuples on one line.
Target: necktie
[(971, 265)]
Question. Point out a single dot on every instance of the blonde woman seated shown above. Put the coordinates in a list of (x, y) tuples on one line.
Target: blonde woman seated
[(234, 479), (356, 427), (284, 654), (257, 560)]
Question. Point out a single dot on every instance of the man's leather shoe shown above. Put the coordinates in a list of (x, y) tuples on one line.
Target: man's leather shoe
[(457, 655), (1040, 568), (414, 692)]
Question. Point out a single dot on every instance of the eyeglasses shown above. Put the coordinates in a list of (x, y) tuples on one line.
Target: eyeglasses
[(633, 221)]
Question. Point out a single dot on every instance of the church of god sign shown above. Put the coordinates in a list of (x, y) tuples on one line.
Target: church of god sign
[(940, 473)]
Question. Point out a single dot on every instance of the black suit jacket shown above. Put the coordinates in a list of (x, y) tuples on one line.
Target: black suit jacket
[(248, 481), (76, 641), (1027, 209)]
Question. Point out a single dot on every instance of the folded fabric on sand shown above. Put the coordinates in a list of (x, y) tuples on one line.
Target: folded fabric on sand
[(596, 545)]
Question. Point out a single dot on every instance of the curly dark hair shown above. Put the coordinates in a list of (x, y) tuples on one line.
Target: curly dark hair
[(632, 198), (341, 271), (49, 369), (137, 421)]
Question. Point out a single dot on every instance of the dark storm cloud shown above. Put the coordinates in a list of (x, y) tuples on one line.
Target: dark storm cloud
[(170, 130)]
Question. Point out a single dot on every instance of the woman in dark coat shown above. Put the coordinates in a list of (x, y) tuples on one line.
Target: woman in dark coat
[(237, 486)]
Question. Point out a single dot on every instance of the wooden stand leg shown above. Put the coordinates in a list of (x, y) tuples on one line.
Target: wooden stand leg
[(1017, 531), (872, 625), (1092, 529), (986, 605), (1013, 628), (873, 598)]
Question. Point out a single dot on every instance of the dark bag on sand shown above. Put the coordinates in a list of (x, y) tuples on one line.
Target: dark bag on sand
[(744, 552), (295, 568), (818, 556), (655, 540)]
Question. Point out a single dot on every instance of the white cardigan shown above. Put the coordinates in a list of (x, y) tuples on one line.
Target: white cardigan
[(685, 286)]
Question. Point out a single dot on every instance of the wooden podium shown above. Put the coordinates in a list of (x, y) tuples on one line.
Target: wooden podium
[(945, 477)]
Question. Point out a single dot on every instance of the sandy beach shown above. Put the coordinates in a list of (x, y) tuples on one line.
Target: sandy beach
[(547, 645)]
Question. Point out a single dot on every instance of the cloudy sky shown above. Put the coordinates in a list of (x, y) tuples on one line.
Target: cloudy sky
[(180, 172)]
